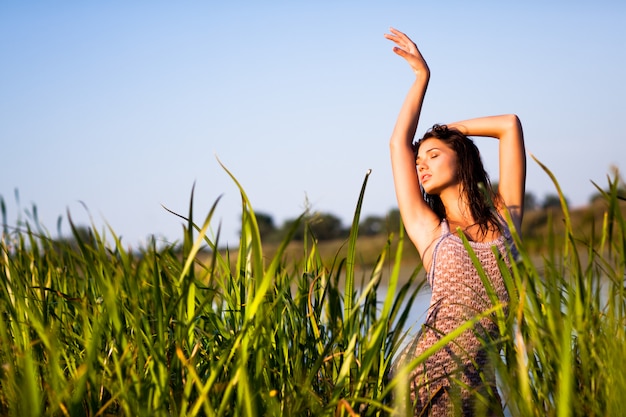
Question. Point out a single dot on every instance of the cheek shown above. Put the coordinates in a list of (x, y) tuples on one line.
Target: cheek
[(455, 170), (445, 163), (453, 166)]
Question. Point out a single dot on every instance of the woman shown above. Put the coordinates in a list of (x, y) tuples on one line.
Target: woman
[(448, 193)]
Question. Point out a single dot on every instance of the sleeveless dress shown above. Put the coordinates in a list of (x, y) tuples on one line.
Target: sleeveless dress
[(446, 383)]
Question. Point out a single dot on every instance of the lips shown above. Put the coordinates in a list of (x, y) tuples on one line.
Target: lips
[(425, 177)]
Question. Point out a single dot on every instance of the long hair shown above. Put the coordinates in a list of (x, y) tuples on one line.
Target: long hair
[(475, 185)]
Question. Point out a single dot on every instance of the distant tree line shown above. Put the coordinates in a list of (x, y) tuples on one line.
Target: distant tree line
[(327, 226)]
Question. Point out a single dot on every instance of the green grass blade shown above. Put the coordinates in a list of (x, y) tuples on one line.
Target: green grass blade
[(350, 262)]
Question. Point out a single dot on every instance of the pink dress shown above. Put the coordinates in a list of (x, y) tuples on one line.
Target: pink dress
[(444, 383)]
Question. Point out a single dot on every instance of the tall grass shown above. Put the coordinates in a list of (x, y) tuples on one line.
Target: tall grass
[(564, 341), (91, 329)]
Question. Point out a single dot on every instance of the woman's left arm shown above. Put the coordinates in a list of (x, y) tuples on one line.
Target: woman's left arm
[(512, 182)]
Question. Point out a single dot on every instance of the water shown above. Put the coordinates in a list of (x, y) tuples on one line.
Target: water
[(417, 310)]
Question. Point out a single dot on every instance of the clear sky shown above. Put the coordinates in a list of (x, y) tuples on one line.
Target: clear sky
[(120, 107)]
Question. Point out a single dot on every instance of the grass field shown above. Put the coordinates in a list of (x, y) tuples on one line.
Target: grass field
[(91, 329)]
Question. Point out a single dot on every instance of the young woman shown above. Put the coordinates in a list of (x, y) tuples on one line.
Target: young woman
[(443, 190)]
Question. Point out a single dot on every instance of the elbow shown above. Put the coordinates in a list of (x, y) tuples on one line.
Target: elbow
[(513, 124), (513, 120)]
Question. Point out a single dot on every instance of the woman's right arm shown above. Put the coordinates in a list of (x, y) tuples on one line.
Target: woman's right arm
[(419, 220)]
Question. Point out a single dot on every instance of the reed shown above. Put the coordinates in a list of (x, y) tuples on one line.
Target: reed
[(564, 340), (90, 328)]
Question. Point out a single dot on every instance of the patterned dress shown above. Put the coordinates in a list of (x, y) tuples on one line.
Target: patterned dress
[(446, 383)]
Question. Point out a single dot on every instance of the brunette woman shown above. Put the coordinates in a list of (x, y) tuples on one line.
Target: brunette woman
[(442, 191)]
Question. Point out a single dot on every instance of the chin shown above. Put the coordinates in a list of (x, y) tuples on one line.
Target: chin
[(431, 190)]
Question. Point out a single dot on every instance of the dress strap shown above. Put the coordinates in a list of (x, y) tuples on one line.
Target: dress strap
[(508, 237), (506, 232), (445, 227), (445, 231)]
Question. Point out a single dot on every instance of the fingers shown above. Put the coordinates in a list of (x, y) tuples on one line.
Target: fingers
[(403, 53), (402, 41), (396, 36), (407, 49), (398, 33)]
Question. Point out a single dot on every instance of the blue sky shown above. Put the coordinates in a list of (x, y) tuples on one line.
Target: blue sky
[(121, 107)]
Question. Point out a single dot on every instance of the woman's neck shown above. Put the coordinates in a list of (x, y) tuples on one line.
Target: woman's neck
[(474, 231), (459, 215), (458, 211)]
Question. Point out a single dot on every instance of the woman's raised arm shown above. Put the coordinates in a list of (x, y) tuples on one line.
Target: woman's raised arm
[(419, 220), (511, 184)]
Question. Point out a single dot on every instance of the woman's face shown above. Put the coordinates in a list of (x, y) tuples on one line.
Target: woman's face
[(436, 166)]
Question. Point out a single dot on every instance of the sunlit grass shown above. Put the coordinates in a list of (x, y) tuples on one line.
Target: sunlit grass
[(90, 328), (565, 343)]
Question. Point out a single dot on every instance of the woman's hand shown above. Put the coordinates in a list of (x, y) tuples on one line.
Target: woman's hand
[(407, 49)]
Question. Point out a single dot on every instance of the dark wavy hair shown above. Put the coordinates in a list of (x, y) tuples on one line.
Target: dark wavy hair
[(475, 184)]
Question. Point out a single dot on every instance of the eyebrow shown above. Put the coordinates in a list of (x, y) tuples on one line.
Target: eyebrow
[(430, 150)]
